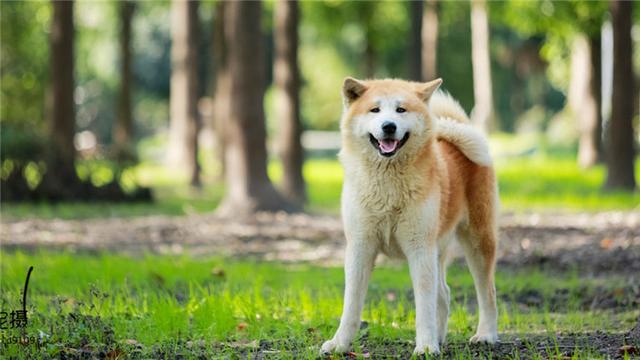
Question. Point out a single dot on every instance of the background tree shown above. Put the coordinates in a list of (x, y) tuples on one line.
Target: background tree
[(184, 124), (248, 186), (61, 177), (220, 83), (620, 151), (123, 127), (582, 101), (429, 40), (482, 113), (415, 40), (287, 81), (572, 47)]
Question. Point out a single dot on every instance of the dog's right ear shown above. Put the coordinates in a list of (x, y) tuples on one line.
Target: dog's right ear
[(352, 89), (425, 90)]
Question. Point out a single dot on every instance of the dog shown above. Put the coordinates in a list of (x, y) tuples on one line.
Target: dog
[(417, 176)]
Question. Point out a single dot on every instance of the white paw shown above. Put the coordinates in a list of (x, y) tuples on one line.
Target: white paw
[(433, 349), (442, 339), (333, 345), (488, 338)]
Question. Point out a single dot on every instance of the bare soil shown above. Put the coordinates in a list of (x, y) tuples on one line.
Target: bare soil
[(590, 243)]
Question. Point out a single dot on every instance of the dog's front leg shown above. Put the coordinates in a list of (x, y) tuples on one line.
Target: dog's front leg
[(359, 258), (423, 264)]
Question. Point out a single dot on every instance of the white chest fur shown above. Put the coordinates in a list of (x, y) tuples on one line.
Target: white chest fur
[(388, 206)]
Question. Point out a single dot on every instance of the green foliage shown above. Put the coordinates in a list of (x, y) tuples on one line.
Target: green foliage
[(25, 52), (557, 22), (334, 36), (20, 144)]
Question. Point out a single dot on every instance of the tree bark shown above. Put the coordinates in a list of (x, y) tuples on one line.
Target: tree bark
[(620, 152), (415, 40), (248, 186), (184, 126), (369, 58), (61, 173), (287, 81), (595, 46), (429, 40), (221, 84), (123, 129), (582, 101), (483, 113)]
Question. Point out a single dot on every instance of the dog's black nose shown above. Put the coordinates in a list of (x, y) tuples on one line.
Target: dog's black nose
[(388, 127)]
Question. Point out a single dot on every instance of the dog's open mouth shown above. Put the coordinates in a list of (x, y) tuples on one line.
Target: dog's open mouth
[(388, 147)]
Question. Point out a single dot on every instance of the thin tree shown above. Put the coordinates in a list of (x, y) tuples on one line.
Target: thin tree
[(415, 40), (61, 177), (582, 101), (287, 81), (220, 83), (184, 126), (248, 186), (620, 153), (595, 45), (123, 129), (367, 12), (429, 40), (483, 113)]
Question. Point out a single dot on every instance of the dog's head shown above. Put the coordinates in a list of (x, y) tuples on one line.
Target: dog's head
[(385, 118)]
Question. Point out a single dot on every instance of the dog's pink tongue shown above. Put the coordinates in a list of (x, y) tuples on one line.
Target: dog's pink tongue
[(388, 145)]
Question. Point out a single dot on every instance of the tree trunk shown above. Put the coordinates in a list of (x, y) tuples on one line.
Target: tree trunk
[(221, 84), (415, 40), (369, 58), (620, 151), (482, 114), (123, 129), (248, 186), (61, 173), (582, 101), (184, 127), (596, 89), (287, 80), (429, 40)]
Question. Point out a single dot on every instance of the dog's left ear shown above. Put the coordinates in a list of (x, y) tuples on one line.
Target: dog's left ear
[(352, 89), (425, 90)]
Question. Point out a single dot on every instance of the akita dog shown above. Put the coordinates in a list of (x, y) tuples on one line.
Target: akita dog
[(417, 176)]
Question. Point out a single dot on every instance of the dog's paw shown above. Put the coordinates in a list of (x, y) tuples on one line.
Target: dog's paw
[(433, 349), (442, 339), (485, 338), (331, 346)]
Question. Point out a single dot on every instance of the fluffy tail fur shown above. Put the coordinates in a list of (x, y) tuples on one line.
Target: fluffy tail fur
[(454, 126)]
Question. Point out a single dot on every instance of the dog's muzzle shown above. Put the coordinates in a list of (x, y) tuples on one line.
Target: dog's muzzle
[(388, 146)]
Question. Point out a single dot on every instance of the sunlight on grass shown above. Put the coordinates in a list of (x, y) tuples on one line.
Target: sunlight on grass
[(162, 300)]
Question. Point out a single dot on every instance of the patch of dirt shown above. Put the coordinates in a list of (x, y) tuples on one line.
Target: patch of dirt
[(591, 243), (560, 346)]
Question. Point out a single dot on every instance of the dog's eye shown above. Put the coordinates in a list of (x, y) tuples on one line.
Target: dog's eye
[(375, 110), (400, 110)]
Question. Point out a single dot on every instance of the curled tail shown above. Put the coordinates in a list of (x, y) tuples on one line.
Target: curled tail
[(454, 126)]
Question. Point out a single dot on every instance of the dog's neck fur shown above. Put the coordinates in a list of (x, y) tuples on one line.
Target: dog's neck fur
[(392, 183)]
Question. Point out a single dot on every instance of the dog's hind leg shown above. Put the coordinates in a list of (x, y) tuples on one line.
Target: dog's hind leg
[(481, 262), (444, 296)]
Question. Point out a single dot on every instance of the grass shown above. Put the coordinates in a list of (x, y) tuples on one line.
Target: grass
[(163, 307), (537, 182)]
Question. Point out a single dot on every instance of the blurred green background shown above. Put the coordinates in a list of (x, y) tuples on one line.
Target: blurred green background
[(535, 137)]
